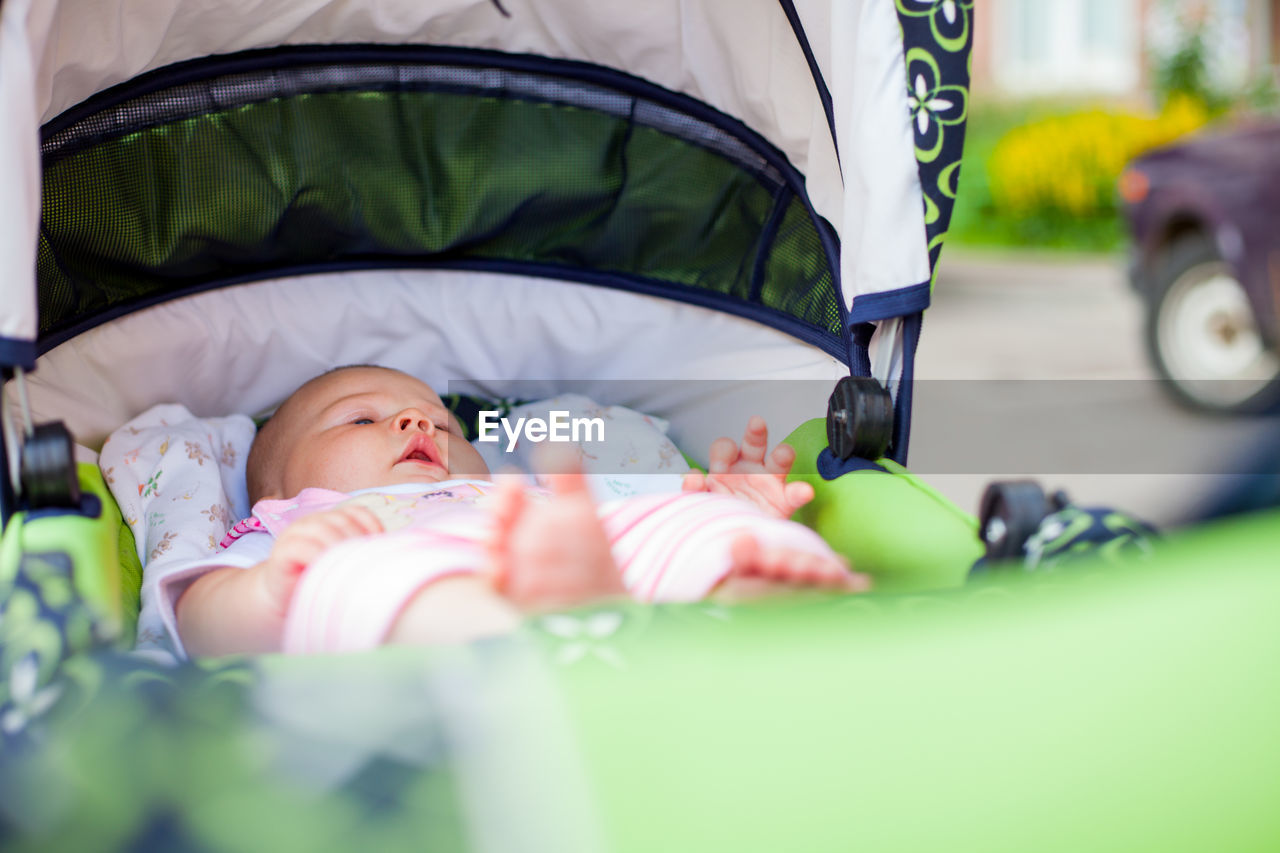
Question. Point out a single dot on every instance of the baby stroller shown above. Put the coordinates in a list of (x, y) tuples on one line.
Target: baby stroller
[(685, 196)]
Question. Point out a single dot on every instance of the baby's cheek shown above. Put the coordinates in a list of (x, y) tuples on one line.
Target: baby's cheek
[(465, 460), (347, 471)]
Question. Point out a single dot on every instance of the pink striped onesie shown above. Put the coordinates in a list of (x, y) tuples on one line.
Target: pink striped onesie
[(669, 547)]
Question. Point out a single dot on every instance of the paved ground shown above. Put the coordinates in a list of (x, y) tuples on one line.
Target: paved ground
[(1034, 367), (1032, 317)]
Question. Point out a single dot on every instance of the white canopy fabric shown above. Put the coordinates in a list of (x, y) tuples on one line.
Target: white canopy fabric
[(740, 57), (244, 349), (20, 168)]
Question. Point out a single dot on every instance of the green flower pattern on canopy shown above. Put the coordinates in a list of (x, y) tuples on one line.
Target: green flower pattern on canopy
[(937, 36)]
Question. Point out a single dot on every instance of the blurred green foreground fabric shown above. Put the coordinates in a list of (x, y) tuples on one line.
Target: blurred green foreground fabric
[(1113, 707)]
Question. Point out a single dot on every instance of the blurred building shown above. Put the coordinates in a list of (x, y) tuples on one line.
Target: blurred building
[(1033, 48)]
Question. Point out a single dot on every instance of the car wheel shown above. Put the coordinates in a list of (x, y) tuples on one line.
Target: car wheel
[(1203, 335)]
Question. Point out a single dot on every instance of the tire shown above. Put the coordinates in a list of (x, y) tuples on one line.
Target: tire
[(1009, 513), (1202, 333)]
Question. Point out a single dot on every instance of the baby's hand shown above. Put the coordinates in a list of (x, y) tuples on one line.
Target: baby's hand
[(304, 541), (749, 473)]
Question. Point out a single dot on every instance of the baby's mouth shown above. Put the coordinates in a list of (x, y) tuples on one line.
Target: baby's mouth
[(422, 450)]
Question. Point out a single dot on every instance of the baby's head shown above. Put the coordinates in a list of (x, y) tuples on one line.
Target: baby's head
[(355, 428)]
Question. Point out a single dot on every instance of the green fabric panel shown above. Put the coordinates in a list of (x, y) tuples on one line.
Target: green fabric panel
[(404, 177), (796, 255), (889, 525), (119, 577), (130, 576), (1108, 708), (91, 543), (10, 551)]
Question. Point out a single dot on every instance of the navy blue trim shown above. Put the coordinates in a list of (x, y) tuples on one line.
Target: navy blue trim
[(861, 334), (781, 201), (902, 401), (90, 507), (830, 467), (824, 339), (15, 352), (8, 500), (273, 58), (824, 94), (753, 159), (903, 302), (831, 245)]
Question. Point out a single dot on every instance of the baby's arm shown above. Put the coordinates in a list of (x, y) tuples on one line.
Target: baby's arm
[(233, 610), (751, 473), (455, 609)]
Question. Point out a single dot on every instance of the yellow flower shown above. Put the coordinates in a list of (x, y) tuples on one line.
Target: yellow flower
[(1069, 163)]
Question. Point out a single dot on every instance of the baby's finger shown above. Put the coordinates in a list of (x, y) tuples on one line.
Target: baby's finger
[(830, 571), (716, 484), (694, 481), (295, 553), (744, 554), (797, 494), (508, 504), (786, 565), (554, 460), (857, 582), (339, 524), (814, 569), (820, 570), (568, 483), (362, 519), (833, 570), (755, 440), (781, 460), (321, 531), (723, 453)]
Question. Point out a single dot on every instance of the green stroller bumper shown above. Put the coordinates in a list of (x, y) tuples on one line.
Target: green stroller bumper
[(1113, 707)]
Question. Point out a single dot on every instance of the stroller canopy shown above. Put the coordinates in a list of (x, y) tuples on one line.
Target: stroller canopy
[(783, 161)]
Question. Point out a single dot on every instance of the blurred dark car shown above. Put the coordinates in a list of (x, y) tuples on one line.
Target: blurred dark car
[(1205, 220)]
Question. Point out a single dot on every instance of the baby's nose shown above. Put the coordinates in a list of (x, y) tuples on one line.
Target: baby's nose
[(414, 420)]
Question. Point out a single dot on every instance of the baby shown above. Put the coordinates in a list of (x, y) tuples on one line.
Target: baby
[(374, 521)]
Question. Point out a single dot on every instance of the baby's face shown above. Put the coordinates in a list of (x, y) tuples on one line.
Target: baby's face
[(364, 427)]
